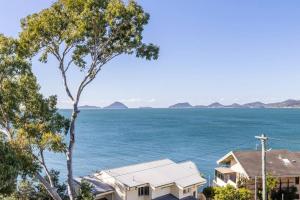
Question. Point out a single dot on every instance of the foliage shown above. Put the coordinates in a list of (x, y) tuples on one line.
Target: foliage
[(31, 189), (85, 192), (85, 34), (29, 123), (97, 28), (61, 188), (288, 193), (271, 185), (231, 193), (10, 168), (209, 192), (242, 182)]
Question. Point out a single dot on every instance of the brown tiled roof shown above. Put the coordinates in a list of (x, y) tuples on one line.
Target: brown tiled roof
[(278, 162)]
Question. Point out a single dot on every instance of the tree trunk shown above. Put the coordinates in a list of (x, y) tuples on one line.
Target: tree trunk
[(71, 189), (52, 191)]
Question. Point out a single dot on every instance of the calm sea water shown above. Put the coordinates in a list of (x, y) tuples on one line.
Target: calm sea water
[(113, 138)]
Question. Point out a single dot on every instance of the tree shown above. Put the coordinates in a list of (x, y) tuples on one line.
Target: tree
[(209, 192), (231, 193), (29, 123), (85, 34), (85, 192), (10, 168), (272, 183)]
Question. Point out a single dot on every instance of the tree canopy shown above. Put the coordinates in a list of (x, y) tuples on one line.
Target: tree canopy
[(85, 35), (230, 193), (29, 123)]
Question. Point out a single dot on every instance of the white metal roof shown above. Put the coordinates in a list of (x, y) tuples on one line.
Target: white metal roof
[(98, 186), (158, 173)]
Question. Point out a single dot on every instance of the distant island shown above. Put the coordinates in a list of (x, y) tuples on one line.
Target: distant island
[(86, 107), (181, 105), (290, 103), (116, 105)]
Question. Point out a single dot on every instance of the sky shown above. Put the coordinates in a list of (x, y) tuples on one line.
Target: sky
[(210, 51)]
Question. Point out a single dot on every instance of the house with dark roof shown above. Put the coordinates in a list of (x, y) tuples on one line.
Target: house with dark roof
[(244, 167)]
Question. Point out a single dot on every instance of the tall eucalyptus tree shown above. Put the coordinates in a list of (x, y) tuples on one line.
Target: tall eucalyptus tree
[(85, 34)]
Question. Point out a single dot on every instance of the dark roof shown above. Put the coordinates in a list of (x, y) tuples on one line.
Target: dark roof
[(278, 162), (98, 186), (171, 197)]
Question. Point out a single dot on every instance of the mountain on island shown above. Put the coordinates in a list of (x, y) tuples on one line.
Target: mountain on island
[(235, 105), (216, 105), (116, 105), (290, 103), (256, 104), (182, 105), (86, 107)]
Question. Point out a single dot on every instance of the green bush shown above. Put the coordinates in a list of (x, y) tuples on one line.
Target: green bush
[(231, 193), (209, 192)]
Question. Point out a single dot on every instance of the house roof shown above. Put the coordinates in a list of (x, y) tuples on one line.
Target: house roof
[(278, 162), (171, 197), (158, 173), (98, 187)]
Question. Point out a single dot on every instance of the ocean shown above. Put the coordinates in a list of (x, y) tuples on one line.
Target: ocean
[(113, 138)]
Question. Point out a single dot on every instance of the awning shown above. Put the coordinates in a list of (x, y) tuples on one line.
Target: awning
[(224, 170)]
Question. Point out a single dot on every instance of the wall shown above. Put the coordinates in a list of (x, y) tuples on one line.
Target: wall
[(120, 190), (133, 194), (192, 190), (158, 192)]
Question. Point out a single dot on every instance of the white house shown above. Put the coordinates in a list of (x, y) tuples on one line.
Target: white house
[(244, 167), (156, 180)]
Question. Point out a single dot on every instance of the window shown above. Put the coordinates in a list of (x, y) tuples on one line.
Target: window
[(143, 191), (188, 190), (297, 180)]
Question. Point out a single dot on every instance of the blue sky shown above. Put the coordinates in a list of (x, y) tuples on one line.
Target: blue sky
[(226, 51)]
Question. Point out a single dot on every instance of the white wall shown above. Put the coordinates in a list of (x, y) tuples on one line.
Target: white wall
[(158, 192), (133, 194), (120, 190), (192, 190), (121, 193)]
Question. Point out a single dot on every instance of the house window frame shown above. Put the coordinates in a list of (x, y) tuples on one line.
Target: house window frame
[(144, 191), (186, 191), (297, 180)]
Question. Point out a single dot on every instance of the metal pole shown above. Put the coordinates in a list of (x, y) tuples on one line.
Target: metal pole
[(263, 140)]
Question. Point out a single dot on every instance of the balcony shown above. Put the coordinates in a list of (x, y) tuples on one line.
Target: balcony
[(225, 176)]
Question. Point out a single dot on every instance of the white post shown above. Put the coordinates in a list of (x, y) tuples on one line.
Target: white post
[(263, 140)]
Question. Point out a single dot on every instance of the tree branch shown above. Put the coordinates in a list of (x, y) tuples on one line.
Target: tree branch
[(43, 163), (63, 73), (52, 191)]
